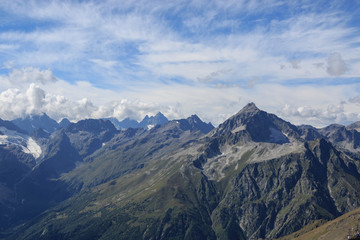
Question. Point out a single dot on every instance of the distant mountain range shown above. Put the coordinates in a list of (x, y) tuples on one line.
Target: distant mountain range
[(32, 122), (254, 176), (146, 123)]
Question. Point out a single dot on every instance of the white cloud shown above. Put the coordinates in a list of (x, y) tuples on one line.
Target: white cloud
[(30, 74), (322, 116), (16, 103), (336, 65), (35, 96)]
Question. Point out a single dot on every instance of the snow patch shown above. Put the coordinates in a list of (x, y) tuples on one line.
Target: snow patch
[(33, 148), (26, 143)]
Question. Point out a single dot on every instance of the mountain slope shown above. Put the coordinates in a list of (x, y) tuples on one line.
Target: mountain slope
[(279, 196), (90, 134), (337, 229), (131, 149), (40, 188), (18, 155)]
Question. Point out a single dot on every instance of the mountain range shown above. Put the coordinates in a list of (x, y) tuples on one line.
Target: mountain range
[(146, 123), (254, 176)]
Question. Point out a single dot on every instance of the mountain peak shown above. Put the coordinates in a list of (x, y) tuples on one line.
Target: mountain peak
[(30, 122), (159, 114), (194, 118), (149, 122), (194, 123), (259, 126), (250, 107), (64, 123)]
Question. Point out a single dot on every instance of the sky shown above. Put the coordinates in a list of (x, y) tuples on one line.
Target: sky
[(92, 59)]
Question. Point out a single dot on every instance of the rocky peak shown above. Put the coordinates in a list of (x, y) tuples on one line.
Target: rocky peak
[(160, 116), (257, 125), (64, 123), (250, 108), (194, 119), (152, 121), (192, 124), (197, 124)]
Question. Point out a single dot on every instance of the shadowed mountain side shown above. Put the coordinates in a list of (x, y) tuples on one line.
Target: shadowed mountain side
[(41, 188), (131, 149), (90, 134)]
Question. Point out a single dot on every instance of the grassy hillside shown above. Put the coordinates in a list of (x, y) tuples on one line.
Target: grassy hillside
[(336, 229)]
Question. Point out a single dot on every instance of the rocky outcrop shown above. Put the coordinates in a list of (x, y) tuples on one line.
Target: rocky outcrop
[(277, 197)]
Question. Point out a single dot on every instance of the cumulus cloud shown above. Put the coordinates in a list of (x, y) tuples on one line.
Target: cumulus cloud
[(31, 75), (318, 116), (35, 96), (15, 103), (336, 66), (355, 99)]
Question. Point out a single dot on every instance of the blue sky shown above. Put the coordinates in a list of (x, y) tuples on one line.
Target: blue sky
[(80, 59)]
